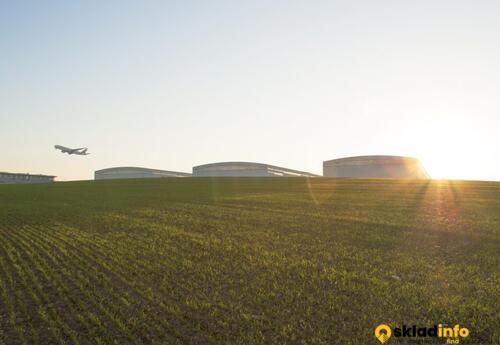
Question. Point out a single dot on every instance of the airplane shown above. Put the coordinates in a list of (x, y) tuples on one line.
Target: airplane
[(80, 151)]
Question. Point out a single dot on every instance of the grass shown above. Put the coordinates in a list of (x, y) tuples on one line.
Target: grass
[(246, 260)]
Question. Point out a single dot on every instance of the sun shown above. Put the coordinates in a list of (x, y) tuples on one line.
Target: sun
[(449, 152)]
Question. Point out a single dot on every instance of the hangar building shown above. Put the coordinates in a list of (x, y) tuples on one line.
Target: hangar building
[(245, 169), (375, 167), (135, 172), (6, 177)]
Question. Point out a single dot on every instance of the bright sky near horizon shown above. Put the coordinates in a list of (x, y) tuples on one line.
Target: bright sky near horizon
[(173, 84)]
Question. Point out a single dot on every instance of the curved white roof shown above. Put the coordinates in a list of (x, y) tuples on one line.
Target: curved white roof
[(378, 158)]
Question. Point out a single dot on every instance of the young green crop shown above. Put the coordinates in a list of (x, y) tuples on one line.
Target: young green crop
[(246, 260)]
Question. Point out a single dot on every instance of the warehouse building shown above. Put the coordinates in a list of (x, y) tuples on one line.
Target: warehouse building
[(245, 169), (6, 177), (375, 167), (135, 172)]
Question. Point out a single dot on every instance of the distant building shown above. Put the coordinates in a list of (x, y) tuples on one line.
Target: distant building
[(245, 169), (135, 172), (6, 177), (375, 167)]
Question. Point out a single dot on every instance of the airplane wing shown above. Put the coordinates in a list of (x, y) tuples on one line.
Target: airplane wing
[(77, 150), (83, 152)]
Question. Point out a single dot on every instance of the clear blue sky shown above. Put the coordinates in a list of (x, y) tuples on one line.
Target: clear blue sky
[(172, 84)]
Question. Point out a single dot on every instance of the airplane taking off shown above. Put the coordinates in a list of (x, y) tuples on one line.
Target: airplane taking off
[(80, 151)]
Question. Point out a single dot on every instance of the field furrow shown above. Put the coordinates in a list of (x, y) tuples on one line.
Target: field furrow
[(86, 286)]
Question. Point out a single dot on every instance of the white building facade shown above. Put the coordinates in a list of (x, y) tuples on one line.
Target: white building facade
[(7, 177), (245, 169), (375, 167), (135, 172)]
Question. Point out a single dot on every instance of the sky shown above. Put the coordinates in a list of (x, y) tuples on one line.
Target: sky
[(174, 84)]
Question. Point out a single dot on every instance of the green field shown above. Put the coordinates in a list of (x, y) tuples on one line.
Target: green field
[(247, 260)]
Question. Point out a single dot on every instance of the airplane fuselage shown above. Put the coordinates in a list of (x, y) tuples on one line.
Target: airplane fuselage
[(79, 151)]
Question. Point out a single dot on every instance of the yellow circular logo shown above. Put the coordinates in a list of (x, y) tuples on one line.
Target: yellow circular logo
[(383, 332)]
